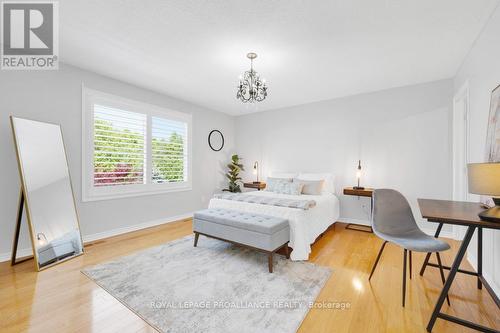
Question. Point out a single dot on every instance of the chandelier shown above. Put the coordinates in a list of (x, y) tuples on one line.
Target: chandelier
[(251, 88)]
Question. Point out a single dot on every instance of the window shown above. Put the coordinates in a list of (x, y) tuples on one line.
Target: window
[(132, 148)]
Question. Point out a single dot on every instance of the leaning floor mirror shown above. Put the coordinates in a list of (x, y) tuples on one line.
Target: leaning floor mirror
[(46, 193)]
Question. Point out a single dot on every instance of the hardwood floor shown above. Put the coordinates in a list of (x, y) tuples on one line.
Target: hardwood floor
[(61, 299)]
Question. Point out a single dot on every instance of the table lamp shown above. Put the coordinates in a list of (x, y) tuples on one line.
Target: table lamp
[(358, 176), (256, 171), (484, 179)]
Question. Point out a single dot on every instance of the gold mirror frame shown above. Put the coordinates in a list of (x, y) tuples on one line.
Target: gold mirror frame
[(24, 203)]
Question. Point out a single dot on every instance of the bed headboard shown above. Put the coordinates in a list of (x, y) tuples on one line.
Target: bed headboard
[(328, 177)]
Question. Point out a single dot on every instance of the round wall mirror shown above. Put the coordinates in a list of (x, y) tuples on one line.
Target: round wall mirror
[(216, 140)]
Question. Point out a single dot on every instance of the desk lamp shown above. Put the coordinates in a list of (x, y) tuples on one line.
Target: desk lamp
[(484, 179)]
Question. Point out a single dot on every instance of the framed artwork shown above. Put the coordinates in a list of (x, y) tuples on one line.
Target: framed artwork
[(493, 134)]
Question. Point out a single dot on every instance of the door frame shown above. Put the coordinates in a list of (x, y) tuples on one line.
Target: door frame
[(460, 139)]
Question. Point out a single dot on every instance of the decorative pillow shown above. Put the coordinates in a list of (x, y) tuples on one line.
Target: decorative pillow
[(273, 183), (329, 186), (311, 187), (289, 188)]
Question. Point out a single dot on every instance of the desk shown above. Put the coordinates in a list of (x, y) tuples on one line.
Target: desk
[(464, 214)]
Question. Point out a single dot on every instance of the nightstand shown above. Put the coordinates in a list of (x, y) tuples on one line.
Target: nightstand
[(258, 186), (367, 193)]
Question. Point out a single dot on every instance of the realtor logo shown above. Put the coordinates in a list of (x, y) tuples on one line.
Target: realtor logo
[(30, 35)]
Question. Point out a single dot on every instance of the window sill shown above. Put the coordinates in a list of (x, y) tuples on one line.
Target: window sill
[(96, 197)]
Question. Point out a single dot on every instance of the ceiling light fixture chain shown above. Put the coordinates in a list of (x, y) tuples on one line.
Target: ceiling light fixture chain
[(251, 88)]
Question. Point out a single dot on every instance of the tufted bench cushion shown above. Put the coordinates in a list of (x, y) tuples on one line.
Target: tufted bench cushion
[(262, 232), (243, 220)]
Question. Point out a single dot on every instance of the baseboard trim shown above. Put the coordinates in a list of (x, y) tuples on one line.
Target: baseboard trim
[(21, 253), (429, 231), (354, 221), (136, 227), (107, 234)]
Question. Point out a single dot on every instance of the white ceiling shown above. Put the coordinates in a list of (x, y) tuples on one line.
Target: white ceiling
[(308, 50)]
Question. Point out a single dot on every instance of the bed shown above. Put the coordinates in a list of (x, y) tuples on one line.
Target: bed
[(305, 224)]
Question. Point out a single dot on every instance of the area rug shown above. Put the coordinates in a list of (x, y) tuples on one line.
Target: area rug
[(215, 287)]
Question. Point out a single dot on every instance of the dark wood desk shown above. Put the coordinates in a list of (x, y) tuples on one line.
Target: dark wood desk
[(464, 214)]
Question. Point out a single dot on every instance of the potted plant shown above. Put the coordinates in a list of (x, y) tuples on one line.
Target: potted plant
[(233, 174)]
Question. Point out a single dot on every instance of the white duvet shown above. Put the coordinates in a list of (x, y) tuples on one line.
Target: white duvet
[(305, 225)]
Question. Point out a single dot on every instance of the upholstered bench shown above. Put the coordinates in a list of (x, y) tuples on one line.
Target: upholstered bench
[(259, 232)]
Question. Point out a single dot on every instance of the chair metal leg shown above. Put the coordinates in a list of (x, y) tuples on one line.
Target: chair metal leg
[(404, 276), (428, 255), (196, 236), (442, 274), (424, 265), (378, 258), (410, 265)]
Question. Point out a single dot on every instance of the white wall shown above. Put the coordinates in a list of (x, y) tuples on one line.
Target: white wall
[(401, 135), (55, 96), (481, 69)]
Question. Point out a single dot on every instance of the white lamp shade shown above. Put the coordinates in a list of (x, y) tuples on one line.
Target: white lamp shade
[(484, 178)]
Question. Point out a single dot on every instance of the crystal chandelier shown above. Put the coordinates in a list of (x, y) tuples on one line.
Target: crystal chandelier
[(251, 88)]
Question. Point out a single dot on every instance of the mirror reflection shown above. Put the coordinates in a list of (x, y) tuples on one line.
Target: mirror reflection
[(48, 192)]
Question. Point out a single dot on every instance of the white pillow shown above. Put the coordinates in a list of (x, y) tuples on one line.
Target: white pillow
[(290, 175), (311, 187), (272, 183), (329, 186), (289, 188)]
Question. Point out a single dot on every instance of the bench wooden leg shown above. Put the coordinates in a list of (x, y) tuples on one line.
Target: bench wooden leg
[(287, 251), (196, 236), (270, 262)]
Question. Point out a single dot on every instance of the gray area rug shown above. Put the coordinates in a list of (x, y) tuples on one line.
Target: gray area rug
[(215, 287)]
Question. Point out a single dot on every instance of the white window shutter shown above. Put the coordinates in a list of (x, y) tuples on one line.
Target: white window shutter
[(119, 147), (169, 150)]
